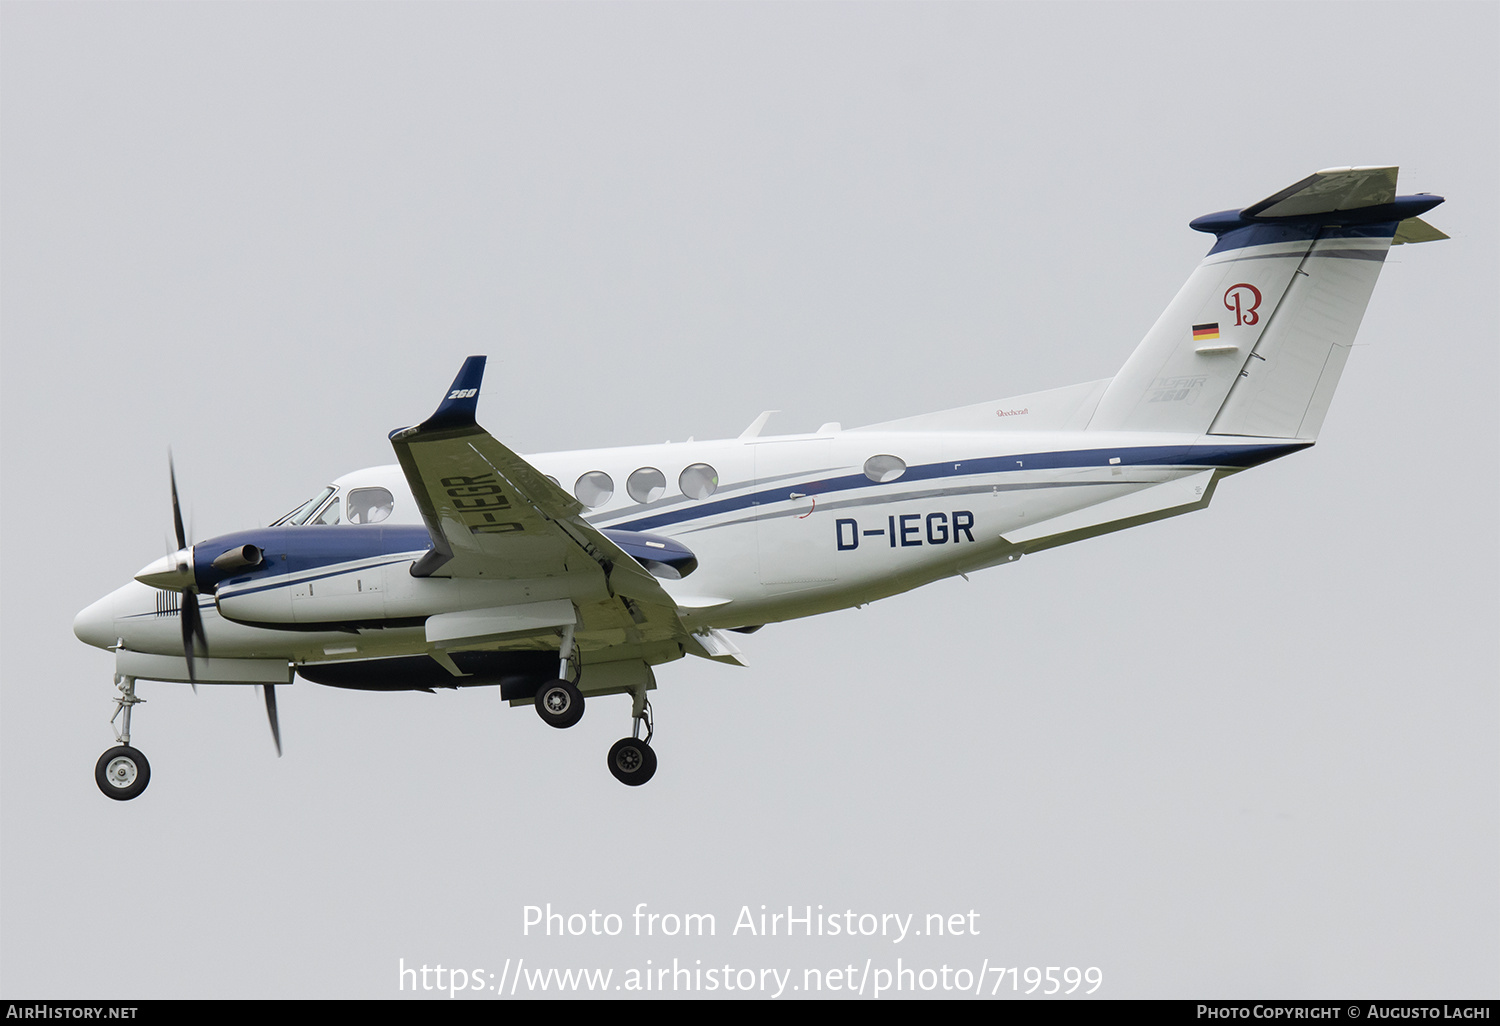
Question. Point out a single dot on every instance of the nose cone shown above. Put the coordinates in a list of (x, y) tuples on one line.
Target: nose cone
[(96, 624), (170, 573)]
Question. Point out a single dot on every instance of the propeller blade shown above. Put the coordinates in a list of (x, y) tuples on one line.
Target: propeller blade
[(193, 636), (270, 690), (192, 620), (176, 507)]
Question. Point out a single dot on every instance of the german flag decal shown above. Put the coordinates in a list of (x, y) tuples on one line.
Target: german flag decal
[(1205, 332)]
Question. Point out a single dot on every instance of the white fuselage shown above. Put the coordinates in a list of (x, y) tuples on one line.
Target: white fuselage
[(793, 526)]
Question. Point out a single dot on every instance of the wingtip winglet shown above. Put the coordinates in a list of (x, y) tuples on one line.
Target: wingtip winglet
[(459, 405)]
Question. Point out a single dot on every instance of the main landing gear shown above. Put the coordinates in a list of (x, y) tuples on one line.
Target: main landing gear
[(560, 704), (631, 759), (123, 772)]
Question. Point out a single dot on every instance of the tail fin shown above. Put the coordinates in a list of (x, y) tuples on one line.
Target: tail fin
[(1255, 341)]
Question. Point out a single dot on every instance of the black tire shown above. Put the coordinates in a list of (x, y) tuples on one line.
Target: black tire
[(559, 704), (122, 773), (632, 761)]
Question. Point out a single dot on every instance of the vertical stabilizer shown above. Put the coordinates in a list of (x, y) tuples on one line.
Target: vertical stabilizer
[(1255, 341)]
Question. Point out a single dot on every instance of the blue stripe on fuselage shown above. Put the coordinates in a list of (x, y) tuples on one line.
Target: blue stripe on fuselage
[(1237, 456)]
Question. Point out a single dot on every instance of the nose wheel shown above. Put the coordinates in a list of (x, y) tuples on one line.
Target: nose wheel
[(122, 773)]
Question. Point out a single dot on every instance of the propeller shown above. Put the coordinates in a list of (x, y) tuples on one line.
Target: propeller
[(192, 619), (176, 572), (270, 690)]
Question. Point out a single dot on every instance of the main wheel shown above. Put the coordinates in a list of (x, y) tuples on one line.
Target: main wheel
[(122, 773), (559, 703), (632, 761)]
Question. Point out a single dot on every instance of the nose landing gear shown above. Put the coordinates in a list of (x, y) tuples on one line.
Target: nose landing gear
[(122, 773)]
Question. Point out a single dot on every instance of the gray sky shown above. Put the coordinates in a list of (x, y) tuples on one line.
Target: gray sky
[(1250, 752)]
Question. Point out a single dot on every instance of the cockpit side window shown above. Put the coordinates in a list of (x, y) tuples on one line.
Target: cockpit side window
[(307, 509), (330, 514), (370, 505)]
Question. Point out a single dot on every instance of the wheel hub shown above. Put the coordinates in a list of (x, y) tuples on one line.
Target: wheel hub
[(121, 771)]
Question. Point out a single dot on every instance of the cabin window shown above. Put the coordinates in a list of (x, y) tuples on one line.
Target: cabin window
[(646, 485), (698, 481), (302, 512), (594, 488), (884, 469), (369, 505)]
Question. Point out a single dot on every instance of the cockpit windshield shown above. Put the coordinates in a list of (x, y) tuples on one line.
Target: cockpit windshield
[(301, 514)]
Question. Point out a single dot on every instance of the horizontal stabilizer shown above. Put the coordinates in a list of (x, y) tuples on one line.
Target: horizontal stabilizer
[(1157, 502), (1414, 229), (1337, 188)]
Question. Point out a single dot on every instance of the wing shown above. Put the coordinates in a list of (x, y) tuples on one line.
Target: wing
[(494, 517)]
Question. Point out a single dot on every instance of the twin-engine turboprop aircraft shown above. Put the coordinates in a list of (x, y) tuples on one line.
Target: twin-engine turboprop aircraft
[(568, 576)]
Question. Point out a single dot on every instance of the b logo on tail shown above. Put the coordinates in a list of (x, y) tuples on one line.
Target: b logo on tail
[(1232, 297)]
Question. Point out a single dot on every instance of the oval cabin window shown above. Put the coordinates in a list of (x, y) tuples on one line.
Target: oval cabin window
[(646, 485), (884, 469), (698, 481), (594, 488)]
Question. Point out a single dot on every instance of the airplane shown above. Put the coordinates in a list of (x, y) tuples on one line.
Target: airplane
[(564, 577)]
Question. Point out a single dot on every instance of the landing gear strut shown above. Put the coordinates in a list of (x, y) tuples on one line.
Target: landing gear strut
[(631, 759), (123, 772), (559, 702)]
